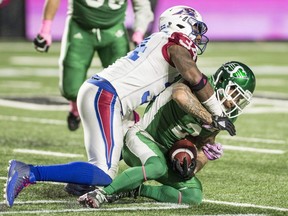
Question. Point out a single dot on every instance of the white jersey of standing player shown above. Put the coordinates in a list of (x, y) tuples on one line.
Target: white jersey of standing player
[(145, 71), (131, 81)]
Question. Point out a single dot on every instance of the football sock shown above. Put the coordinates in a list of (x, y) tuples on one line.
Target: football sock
[(134, 176), (73, 108), (75, 172), (165, 193)]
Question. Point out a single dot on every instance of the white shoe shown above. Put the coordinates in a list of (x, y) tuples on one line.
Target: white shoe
[(93, 199)]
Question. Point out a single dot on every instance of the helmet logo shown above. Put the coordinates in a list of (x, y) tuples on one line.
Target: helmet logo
[(240, 73), (186, 11), (236, 70)]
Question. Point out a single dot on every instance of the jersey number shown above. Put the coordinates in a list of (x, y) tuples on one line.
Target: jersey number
[(113, 4), (178, 131)]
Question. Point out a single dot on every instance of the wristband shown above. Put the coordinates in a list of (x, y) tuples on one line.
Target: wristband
[(45, 27), (137, 37), (200, 84), (213, 105)]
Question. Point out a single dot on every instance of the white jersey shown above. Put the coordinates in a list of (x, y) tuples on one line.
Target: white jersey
[(147, 70)]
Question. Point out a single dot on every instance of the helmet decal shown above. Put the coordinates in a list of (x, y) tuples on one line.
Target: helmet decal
[(186, 11), (236, 70)]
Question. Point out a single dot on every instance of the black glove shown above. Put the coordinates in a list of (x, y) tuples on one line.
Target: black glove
[(40, 44), (185, 171), (223, 123)]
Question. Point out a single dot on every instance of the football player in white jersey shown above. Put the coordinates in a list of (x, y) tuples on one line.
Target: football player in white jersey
[(106, 101)]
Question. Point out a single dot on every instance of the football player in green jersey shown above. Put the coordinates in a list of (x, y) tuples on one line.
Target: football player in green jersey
[(175, 114), (90, 26)]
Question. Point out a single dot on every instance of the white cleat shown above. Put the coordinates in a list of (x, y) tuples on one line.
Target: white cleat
[(93, 199)]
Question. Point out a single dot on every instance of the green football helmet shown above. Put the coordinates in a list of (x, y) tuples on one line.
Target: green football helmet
[(234, 82)]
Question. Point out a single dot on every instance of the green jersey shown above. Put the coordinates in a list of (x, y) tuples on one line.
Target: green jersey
[(166, 122), (101, 14)]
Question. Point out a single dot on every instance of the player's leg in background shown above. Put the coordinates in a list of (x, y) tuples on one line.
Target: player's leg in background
[(76, 55), (114, 44)]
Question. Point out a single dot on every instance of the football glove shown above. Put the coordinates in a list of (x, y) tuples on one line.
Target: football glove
[(223, 123), (42, 43), (186, 172), (213, 151)]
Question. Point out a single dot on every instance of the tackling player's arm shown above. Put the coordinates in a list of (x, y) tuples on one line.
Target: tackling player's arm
[(187, 67), (182, 54)]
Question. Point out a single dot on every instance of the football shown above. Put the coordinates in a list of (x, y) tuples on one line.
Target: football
[(183, 149)]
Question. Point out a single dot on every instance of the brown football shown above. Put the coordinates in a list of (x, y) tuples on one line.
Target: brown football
[(183, 149)]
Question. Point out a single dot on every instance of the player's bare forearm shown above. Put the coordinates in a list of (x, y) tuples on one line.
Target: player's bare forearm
[(185, 64), (189, 103), (190, 72), (50, 9), (201, 161)]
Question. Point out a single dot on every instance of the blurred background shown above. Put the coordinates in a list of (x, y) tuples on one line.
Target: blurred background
[(226, 19)]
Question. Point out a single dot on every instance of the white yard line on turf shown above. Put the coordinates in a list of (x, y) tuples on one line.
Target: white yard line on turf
[(159, 206), (251, 139), (34, 120), (134, 207), (245, 205), (254, 150), (32, 106), (48, 153)]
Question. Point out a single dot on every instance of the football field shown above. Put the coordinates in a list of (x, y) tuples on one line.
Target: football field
[(250, 179)]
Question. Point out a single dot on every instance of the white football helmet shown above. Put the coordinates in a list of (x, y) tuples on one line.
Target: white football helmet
[(186, 20)]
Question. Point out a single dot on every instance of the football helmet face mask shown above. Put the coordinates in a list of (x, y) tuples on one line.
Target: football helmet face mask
[(186, 20), (234, 82)]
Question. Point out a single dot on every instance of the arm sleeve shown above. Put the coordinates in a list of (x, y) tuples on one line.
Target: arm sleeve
[(143, 15)]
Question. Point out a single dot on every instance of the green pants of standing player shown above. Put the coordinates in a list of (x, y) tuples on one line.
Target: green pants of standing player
[(77, 51), (173, 188)]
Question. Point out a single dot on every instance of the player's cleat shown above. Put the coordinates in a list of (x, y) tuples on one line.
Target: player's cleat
[(73, 121), (130, 194), (77, 189), (19, 177), (93, 199)]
